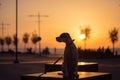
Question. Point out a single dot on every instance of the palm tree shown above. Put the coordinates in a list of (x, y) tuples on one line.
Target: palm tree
[(15, 40), (2, 44), (113, 35), (8, 41), (34, 39), (25, 39), (86, 31)]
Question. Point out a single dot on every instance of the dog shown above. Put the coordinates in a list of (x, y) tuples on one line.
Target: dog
[(69, 65)]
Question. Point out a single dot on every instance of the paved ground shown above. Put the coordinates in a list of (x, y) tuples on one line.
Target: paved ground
[(35, 64), (108, 65)]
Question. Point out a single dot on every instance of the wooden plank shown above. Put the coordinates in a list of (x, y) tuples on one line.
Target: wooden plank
[(82, 66), (55, 76)]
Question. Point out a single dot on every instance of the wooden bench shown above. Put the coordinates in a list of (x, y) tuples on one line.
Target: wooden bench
[(55, 76), (82, 66)]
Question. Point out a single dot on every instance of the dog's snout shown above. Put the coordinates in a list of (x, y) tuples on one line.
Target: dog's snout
[(58, 39)]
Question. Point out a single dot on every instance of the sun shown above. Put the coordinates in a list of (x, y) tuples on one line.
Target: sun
[(82, 36)]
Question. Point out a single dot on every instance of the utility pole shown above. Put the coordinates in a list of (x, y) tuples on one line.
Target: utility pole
[(3, 24), (39, 18), (16, 55), (0, 5)]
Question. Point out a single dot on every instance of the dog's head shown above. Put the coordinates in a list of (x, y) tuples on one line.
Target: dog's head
[(64, 37)]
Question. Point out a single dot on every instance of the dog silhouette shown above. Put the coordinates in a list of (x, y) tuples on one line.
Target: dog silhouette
[(69, 65)]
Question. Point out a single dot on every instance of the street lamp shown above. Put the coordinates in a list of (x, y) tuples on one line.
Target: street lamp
[(16, 55)]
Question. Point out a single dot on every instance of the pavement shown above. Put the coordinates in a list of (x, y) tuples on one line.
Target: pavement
[(35, 64)]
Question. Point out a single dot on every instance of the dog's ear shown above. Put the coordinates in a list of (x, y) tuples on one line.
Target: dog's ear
[(64, 35)]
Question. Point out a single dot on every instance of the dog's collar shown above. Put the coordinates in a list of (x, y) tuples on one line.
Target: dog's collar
[(70, 43)]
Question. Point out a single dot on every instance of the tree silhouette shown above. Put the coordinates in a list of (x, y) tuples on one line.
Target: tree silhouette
[(25, 39), (15, 40), (2, 44), (8, 41), (46, 51), (86, 31), (113, 35), (35, 39)]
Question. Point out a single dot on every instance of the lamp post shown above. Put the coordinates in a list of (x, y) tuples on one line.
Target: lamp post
[(16, 55)]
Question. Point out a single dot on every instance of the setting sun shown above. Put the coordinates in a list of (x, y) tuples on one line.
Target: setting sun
[(82, 36)]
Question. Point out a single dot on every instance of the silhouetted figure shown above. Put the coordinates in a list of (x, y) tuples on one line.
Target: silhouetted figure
[(69, 66)]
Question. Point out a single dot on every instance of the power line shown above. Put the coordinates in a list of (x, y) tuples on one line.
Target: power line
[(39, 18), (3, 24)]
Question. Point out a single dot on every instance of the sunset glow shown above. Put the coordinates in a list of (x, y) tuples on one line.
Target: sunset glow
[(82, 36), (64, 16)]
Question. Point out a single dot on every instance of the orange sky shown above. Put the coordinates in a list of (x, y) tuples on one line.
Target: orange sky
[(64, 16)]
